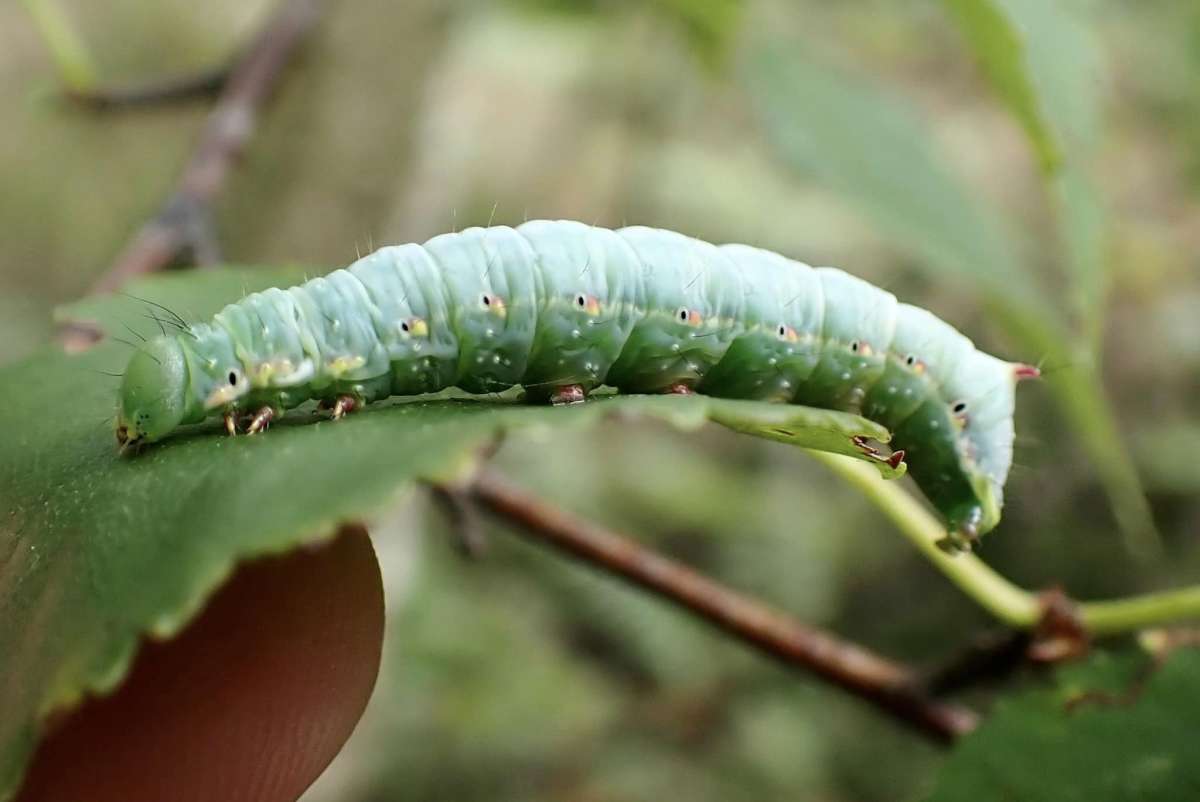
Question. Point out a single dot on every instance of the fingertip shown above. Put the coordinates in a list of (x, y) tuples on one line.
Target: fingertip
[(250, 702)]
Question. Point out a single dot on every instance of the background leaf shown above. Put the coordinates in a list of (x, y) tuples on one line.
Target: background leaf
[(874, 152), (1114, 730), (1045, 64), (877, 154), (1000, 49)]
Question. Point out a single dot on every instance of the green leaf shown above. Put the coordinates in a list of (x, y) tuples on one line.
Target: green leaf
[(711, 25), (859, 141), (1000, 49), (873, 151), (97, 550), (1166, 452), (1066, 65), (71, 57), (1046, 65), (1106, 732)]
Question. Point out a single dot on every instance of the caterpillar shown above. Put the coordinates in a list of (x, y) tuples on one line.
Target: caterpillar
[(560, 308)]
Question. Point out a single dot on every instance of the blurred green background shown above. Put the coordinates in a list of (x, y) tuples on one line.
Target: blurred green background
[(864, 134)]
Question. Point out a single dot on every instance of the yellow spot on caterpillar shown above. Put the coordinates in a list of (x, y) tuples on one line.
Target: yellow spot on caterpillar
[(344, 364)]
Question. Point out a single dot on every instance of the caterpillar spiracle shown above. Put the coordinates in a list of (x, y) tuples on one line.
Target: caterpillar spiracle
[(561, 308)]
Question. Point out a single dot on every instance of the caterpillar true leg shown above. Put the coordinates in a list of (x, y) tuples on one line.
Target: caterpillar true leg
[(680, 388), (342, 406), (261, 420), (230, 419), (894, 459)]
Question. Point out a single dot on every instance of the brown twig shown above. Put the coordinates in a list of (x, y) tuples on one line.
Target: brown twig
[(185, 219), (887, 685), (153, 93), (469, 537), (988, 657)]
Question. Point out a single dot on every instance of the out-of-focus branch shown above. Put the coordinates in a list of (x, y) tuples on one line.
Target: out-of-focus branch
[(883, 683), (988, 657), (185, 220), (173, 88)]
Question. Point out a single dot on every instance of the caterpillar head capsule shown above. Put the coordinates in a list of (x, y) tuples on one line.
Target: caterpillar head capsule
[(153, 393)]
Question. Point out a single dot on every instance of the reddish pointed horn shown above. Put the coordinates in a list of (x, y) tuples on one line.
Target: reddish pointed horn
[(1023, 371)]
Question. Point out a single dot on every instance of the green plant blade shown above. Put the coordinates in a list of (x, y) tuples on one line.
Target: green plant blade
[(873, 151), (1046, 66), (1111, 730), (860, 142), (98, 550), (1000, 49)]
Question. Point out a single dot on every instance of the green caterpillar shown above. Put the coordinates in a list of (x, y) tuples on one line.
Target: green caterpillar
[(561, 308)]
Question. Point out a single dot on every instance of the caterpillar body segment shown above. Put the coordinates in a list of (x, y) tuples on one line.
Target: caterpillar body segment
[(561, 307)]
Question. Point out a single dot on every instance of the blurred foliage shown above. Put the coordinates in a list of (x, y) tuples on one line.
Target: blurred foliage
[(876, 154), (522, 676), (1114, 729)]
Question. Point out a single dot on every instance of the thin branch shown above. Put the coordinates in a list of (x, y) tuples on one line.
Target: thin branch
[(988, 657), (469, 536), (152, 93), (185, 220), (885, 684)]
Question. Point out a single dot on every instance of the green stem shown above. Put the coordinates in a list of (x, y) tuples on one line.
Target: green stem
[(1006, 601), (1011, 604), (70, 56), (1137, 612)]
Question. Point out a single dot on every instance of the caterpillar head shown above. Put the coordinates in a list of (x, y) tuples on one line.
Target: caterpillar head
[(153, 393)]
